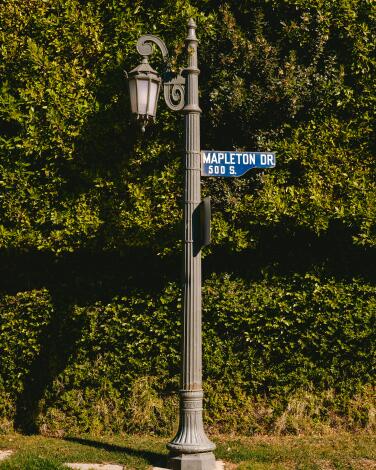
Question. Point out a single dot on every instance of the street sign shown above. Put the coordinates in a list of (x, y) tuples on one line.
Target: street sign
[(230, 163)]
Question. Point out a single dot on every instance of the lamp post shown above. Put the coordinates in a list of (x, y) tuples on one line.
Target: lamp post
[(190, 449)]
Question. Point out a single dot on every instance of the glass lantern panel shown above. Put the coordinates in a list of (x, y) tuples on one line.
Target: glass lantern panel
[(153, 97), (133, 95), (142, 95)]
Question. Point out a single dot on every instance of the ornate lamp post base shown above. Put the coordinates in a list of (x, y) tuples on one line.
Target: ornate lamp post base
[(191, 449)]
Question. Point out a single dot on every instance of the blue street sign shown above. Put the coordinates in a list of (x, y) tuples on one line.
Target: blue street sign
[(231, 163)]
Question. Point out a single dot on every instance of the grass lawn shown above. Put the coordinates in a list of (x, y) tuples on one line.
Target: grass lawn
[(337, 451)]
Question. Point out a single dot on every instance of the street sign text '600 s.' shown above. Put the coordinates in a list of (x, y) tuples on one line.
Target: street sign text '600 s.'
[(231, 163)]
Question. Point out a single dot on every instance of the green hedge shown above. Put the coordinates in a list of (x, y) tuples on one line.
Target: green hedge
[(268, 345), (90, 211), (290, 76), (24, 321)]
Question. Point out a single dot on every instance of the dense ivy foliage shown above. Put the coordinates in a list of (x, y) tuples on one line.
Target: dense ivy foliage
[(90, 212), (266, 338)]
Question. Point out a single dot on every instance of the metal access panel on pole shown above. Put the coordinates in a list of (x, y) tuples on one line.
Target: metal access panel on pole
[(205, 221)]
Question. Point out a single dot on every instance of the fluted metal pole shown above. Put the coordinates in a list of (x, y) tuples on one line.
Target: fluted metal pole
[(191, 449)]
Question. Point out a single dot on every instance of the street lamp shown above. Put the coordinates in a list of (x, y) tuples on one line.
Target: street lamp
[(144, 86), (190, 449)]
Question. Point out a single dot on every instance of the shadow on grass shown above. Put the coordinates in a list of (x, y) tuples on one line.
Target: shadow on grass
[(155, 459)]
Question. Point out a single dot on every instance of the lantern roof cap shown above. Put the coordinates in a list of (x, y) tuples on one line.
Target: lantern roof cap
[(144, 68)]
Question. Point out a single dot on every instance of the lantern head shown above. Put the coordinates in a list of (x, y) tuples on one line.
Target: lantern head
[(144, 86)]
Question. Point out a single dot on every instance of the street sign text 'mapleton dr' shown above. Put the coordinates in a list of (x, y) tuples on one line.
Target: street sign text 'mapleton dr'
[(232, 163)]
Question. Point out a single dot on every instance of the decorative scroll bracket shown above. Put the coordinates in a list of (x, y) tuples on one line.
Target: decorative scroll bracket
[(174, 91), (173, 84), (144, 48)]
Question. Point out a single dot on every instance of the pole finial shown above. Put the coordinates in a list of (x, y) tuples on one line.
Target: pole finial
[(192, 30), (192, 23)]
